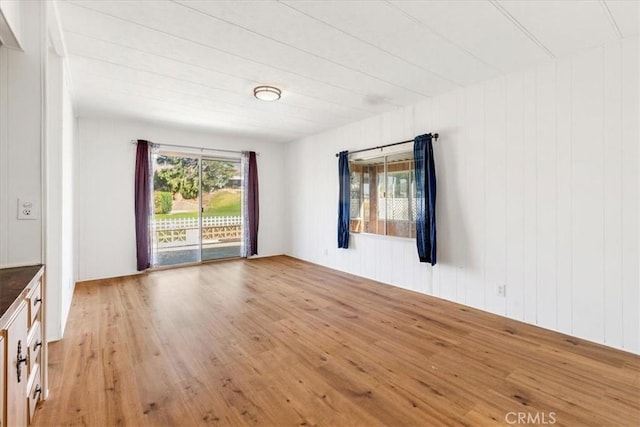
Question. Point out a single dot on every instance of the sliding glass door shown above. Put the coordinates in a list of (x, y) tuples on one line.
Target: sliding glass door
[(196, 209), (221, 208)]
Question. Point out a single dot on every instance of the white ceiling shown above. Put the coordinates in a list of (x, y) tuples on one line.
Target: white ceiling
[(195, 63)]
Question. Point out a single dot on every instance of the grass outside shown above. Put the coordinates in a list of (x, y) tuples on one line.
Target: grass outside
[(221, 204)]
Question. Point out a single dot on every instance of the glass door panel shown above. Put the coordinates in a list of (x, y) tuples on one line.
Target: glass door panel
[(221, 208), (175, 225)]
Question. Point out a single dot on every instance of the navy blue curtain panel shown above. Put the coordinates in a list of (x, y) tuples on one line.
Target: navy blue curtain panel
[(425, 172), (344, 200), (142, 204)]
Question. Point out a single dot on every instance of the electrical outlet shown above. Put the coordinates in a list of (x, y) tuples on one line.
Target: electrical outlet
[(502, 290), (27, 209)]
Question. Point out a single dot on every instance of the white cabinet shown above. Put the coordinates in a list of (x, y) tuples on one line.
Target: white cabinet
[(23, 379)]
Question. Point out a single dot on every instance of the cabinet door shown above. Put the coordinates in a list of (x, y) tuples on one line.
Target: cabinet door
[(16, 336)]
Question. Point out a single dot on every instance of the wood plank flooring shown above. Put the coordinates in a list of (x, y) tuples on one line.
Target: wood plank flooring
[(278, 342)]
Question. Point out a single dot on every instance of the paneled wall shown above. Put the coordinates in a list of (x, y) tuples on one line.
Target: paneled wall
[(106, 229), (21, 139), (537, 190)]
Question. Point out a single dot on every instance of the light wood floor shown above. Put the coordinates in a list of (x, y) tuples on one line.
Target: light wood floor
[(277, 342)]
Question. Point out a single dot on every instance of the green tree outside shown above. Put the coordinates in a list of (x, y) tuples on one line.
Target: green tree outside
[(180, 175)]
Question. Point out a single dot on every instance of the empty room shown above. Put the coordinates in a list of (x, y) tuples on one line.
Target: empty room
[(319, 213)]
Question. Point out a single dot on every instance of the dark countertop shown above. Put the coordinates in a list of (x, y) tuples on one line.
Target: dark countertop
[(12, 282)]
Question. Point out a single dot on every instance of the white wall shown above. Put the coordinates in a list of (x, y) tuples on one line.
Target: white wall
[(21, 124), (537, 189), (53, 199), (106, 203), (69, 177), (60, 171)]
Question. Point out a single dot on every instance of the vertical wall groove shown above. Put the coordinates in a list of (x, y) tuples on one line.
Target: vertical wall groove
[(484, 194), (571, 284), (3, 154), (506, 192), (622, 331), (535, 193), (557, 150), (603, 189)]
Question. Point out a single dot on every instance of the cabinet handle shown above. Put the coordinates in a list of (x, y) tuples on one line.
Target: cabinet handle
[(37, 391), (20, 361), (37, 344), (37, 301)]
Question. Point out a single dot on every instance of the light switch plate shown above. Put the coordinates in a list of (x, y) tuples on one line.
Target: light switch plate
[(27, 208)]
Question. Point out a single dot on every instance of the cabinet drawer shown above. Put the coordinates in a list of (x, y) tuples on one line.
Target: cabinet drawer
[(35, 302), (34, 392), (34, 341)]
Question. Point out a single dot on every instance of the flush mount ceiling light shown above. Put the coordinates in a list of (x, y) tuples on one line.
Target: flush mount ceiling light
[(267, 93)]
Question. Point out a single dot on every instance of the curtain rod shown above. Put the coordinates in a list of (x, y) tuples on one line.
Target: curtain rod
[(435, 136), (135, 141)]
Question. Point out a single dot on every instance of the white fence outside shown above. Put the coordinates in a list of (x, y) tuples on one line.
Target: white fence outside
[(176, 232), (190, 223)]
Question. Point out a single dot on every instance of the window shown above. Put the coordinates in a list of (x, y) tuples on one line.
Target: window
[(383, 195)]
